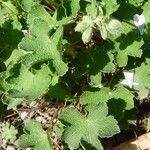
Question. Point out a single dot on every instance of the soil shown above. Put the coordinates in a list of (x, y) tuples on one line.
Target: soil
[(47, 113)]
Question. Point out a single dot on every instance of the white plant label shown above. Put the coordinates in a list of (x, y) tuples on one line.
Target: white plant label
[(139, 21)]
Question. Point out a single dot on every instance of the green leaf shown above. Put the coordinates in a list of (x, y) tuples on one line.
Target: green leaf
[(85, 129), (121, 100), (128, 45), (104, 94), (99, 60), (84, 24), (12, 102), (126, 19), (27, 5), (38, 12), (67, 11), (95, 80), (87, 35), (146, 8), (126, 95), (71, 6), (141, 78), (110, 6), (103, 32), (14, 58), (95, 96), (35, 137), (9, 39), (39, 47), (29, 84), (9, 5), (92, 10), (60, 91), (114, 26), (8, 133), (136, 3)]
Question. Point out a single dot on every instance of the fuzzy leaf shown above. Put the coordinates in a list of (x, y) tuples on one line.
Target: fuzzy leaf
[(114, 27), (87, 35), (141, 78), (8, 133), (95, 96), (67, 11), (110, 6), (146, 8), (10, 6), (35, 137), (95, 80), (38, 12), (84, 24), (27, 5), (99, 60), (128, 45), (29, 85), (124, 94), (85, 129), (60, 91), (126, 19), (39, 47), (92, 10), (103, 32), (122, 99)]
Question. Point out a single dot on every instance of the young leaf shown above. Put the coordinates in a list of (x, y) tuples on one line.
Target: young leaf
[(87, 35), (10, 6), (74, 7), (114, 27), (103, 32), (8, 133), (85, 129), (84, 24), (27, 5), (34, 137), (95, 80), (110, 7), (92, 9)]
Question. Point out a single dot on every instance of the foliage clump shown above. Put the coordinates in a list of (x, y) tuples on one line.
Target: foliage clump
[(91, 52)]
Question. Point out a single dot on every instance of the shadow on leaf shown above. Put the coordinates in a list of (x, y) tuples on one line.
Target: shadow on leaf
[(116, 108)]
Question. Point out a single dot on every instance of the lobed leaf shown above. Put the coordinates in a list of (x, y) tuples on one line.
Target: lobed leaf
[(85, 129), (34, 137)]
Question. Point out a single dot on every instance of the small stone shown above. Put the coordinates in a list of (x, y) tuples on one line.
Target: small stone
[(39, 118), (23, 115), (10, 147)]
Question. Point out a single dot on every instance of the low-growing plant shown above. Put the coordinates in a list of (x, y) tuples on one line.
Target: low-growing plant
[(91, 52)]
